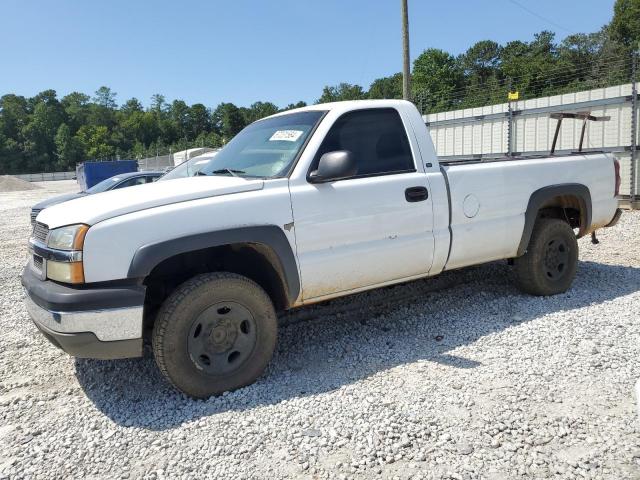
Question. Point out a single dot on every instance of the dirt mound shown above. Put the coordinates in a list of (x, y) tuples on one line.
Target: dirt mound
[(14, 184)]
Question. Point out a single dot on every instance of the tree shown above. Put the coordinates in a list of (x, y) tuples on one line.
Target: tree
[(228, 120), (436, 78), (105, 98), (199, 120), (291, 106), (481, 61), (179, 115), (69, 150), (95, 142), (386, 87), (39, 133), (12, 158), (340, 92), (625, 25), (260, 110), (130, 106), (158, 103), (76, 108), (13, 115), (211, 140)]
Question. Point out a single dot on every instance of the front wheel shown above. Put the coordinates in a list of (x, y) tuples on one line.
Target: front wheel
[(549, 265), (216, 332)]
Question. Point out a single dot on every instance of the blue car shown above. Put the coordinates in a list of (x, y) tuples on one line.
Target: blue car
[(122, 180)]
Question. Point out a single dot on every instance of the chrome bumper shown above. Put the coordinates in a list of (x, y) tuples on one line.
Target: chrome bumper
[(107, 325), (102, 334)]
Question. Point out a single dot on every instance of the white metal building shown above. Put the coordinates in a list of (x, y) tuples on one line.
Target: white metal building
[(484, 131)]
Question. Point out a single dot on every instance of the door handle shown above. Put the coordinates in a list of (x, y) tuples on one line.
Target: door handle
[(416, 194)]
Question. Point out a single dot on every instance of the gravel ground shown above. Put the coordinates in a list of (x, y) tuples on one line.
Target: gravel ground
[(455, 377)]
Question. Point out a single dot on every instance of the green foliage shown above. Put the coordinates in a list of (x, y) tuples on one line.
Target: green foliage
[(228, 120), (69, 149), (480, 61), (436, 75), (487, 71), (625, 25), (387, 87), (299, 104), (105, 98), (260, 110), (343, 91), (95, 141)]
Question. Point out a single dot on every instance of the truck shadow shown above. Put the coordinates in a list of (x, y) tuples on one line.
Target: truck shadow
[(352, 339)]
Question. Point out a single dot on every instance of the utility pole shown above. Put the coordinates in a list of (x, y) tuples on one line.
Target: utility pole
[(634, 128), (406, 74)]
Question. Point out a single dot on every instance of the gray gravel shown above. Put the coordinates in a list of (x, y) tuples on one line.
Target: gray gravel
[(457, 377)]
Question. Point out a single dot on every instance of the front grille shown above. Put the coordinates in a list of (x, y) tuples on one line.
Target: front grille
[(34, 214), (37, 262), (40, 232)]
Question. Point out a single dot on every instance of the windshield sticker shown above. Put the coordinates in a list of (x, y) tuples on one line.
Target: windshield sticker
[(286, 135)]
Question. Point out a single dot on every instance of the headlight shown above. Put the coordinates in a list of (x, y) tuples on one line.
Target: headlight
[(67, 238), (67, 267)]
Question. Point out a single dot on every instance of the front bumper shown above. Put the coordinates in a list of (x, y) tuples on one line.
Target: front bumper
[(103, 322)]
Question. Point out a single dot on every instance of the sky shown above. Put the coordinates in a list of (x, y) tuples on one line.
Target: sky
[(242, 51)]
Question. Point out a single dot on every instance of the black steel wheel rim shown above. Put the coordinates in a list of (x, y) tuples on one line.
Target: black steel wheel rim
[(221, 338), (556, 258)]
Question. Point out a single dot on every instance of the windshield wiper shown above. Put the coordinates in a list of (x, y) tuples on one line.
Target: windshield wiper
[(229, 171)]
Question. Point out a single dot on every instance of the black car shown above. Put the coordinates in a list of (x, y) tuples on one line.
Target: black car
[(122, 180)]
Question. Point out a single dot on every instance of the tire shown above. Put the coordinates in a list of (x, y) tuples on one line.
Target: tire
[(215, 333), (549, 265)]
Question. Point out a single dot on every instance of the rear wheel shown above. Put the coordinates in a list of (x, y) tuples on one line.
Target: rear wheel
[(549, 265), (216, 332)]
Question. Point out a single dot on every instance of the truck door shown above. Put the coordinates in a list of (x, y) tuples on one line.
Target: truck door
[(369, 229)]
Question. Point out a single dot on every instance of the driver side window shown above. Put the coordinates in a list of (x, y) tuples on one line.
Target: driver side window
[(375, 137)]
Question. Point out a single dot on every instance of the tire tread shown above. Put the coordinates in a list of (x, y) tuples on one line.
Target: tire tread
[(168, 308), (528, 277)]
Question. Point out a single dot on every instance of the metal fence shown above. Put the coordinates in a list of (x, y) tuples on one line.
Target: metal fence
[(46, 176), (526, 127), (159, 162)]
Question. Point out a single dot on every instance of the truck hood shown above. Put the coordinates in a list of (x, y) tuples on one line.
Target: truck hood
[(92, 209), (50, 202)]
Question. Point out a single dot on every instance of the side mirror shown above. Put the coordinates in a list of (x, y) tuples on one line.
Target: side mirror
[(333, 166)]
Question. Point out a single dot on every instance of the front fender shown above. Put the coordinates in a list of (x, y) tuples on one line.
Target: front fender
[(148, 256)]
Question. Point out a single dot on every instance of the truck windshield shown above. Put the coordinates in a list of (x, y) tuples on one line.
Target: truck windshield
[(265, 148)]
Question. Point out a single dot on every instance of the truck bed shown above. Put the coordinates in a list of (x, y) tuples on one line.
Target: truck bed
[(489, 199)]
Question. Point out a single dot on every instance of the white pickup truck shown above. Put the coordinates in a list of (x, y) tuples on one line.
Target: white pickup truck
[(302, 206)]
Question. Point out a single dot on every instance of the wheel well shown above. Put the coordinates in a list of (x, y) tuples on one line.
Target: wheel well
[(570, 202), (565, 207), (252, 260)]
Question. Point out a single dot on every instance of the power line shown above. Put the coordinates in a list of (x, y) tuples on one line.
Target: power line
[(497, 96), (563, 75), (540, 17)]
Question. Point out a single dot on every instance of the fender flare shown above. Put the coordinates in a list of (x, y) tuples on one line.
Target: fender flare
[(147, 257), (538, 199)]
